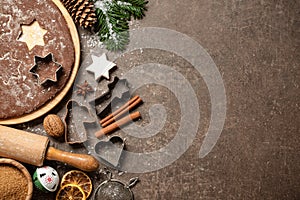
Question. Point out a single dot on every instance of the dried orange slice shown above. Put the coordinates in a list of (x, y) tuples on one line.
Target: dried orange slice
[(78, 178), (70, 192)]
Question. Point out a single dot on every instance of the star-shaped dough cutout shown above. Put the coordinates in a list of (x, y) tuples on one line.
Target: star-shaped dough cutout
[(32, 35), (45, 69), (100, 67)]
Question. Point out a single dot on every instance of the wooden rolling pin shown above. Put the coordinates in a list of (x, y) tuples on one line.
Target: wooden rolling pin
[(33, 149)]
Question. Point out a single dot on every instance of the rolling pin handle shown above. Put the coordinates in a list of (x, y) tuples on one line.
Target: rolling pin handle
[(80, 161)]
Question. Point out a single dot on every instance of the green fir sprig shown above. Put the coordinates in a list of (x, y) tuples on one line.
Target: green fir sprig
[(112, 20)]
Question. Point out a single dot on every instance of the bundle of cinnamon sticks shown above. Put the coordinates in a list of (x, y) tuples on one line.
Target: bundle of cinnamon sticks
[(115, 120)]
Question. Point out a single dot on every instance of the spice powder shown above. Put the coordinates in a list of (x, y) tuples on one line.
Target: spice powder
[(13, 183)]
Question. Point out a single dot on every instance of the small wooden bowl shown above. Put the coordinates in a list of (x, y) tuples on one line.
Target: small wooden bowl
[(24, 171)]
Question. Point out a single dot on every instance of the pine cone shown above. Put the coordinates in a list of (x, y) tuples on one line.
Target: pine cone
[(82, 12)]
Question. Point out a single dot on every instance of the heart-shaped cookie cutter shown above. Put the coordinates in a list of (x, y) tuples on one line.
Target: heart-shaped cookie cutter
[(110, 151)]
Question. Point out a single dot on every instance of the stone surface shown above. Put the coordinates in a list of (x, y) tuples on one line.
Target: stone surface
[(255, 45)]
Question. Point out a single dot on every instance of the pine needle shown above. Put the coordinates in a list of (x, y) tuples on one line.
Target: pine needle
[(113, 17)]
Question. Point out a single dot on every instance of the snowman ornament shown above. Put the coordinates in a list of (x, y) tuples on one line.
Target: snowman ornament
[(46, 179)]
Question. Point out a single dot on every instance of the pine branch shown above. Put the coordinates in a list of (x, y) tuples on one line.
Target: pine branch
[(113, 17), (113, 27), (135, 8)]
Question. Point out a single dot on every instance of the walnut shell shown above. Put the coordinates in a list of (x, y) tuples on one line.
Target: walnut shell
[(54, 126)]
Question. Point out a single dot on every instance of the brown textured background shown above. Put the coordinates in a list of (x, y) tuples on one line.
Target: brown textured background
[(255, 45)]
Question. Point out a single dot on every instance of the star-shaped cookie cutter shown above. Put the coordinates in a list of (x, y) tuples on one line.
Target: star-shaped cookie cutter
[(45, 69)]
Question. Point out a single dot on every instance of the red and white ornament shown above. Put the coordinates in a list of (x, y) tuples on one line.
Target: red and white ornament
[(48, 178)]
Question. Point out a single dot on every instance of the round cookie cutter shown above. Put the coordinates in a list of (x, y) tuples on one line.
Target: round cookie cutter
[(113, 189), (53, 102)]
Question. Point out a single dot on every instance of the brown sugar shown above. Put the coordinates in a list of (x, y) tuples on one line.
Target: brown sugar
[(13, 184)]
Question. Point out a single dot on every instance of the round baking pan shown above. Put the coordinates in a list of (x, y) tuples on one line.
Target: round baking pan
[(53, 102)]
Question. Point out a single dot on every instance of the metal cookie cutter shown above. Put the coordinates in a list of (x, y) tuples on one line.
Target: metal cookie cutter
[(45, 69), (110, 151), (118, 91), (75, 119), (113, 189)]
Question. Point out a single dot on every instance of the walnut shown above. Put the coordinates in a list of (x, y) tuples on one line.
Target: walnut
[(54, 126)]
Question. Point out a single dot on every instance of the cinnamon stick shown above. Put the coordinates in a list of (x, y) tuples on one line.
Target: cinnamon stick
[(122, 110), (117, 124)]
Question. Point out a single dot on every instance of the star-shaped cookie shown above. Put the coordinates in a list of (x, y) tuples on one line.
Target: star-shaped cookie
[(32, 35), (45, 69), (100, 67)]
